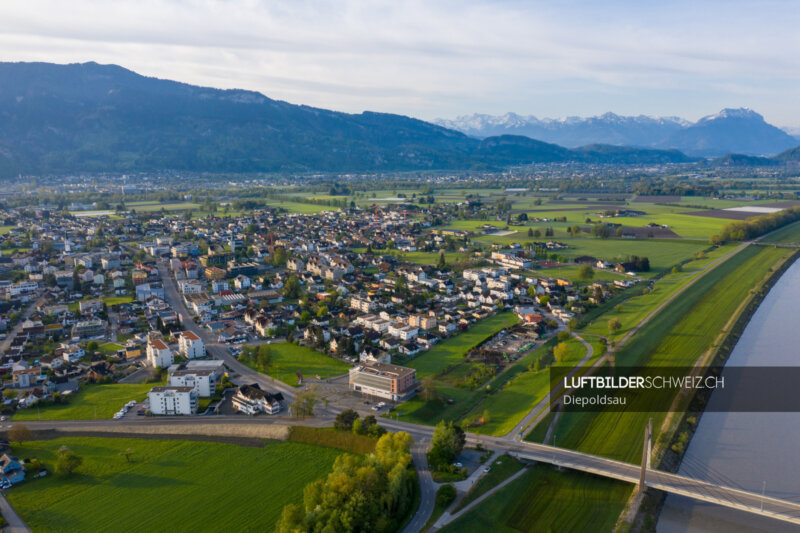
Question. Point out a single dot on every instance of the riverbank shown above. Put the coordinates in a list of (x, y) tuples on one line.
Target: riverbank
[(643, 511)]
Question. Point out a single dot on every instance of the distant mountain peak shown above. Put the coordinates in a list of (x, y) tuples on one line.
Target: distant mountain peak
[(740, 112)]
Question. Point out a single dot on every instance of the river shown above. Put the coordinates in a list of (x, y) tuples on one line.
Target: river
[(748, 449)]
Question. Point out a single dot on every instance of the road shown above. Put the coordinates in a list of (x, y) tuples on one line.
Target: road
[(15, 523), (18, 326), (213, 348), (427, 488)]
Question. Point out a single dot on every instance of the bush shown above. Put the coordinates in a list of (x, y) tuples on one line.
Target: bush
[(445, 495)]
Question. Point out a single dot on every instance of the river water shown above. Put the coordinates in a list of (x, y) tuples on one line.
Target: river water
[(748, 449)]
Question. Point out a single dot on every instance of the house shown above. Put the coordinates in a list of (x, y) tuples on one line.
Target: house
[(371, 355), (71, 352), (191, 346), (159, 354), (173, 400), (251, 400), (11, 470), (388, 381), (90, 306)]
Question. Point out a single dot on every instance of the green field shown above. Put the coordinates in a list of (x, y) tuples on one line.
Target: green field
[(287, 359), (5, 229), (168, 486), (546, 499), (110, 348), (509, 405), (677, 336), (296, 207), (432, 258), (451, 351), (117, 300), (91, 401), (789, 234), (502, 468)]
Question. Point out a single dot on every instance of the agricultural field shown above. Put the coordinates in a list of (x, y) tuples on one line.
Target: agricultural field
[(432, 258), (546, 499), (451, 351), (167, 485), (91, 401), (296, 207), (287, 359), (678, 335)]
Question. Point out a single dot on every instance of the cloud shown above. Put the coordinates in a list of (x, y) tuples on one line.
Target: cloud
[(442, 58)]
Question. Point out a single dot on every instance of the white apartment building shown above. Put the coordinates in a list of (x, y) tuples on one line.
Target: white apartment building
[(173, 400), (191, 346), (203, 381), (159, 354)]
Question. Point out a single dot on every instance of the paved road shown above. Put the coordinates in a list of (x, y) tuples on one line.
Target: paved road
[(248, 375), (15, 523), (427, 488), (18, 326)]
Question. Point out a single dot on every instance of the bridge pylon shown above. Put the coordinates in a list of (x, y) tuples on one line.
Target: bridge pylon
[(647, 454)]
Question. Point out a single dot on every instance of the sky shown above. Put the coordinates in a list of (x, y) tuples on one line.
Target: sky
[(431, 59)]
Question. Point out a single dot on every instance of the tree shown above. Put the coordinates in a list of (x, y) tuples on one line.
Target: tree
[(445, 495), (561, 351), (442, 264), (586, 273), (127, 453), (292, 289), (304, 403), (614, 325), (344, 420), (446, 444), (20, 433), (67, 462), (428, 389)]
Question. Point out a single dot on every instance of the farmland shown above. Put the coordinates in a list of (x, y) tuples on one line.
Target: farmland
[(167, 485), (288, 359), (91, 401)]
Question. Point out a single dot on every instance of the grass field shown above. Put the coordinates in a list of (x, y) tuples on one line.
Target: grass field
[(452, 350), (545, 499), (91, 401), (509, 405), (168, 486), (287, 359), (432, 258), (110, 348), (789, 234), (502, 468), (296, 207), (117, 300), (5, 229)]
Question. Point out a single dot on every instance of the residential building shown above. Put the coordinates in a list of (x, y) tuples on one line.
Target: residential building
[(251, 400), (204, 381), (159, 354), (191, 346), (173, 400)]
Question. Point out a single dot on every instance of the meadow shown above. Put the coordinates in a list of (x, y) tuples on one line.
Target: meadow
[(168, 485), (287, 359), (451, 351), (91, 401), (546, 499)]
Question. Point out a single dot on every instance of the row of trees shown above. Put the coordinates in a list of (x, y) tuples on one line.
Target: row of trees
[(362, 493), (740, 230)]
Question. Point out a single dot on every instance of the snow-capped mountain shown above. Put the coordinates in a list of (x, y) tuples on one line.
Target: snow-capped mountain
[(730, 130)]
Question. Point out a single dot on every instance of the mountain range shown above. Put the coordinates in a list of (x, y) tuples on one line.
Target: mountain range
[(730, 131), (87, 117)]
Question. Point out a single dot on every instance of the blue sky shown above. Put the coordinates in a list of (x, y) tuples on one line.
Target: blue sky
[(441, 58)]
